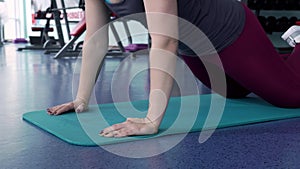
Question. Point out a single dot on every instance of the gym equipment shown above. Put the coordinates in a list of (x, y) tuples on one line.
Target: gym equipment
[(292, 21), (279, 4), (274, 4), (71, 50), (282, 24), (292, 36), (46, 41), (136, 47), (76, 33), (81, 5), (268, 4), (255, 4), (55, 9), (272, 24), (291, 4), (237, 112), (262, 20)]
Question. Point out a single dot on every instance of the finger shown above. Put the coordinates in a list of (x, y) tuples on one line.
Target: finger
[(110, 134), (80, 108), (54, 109), (51, 110), (124, 132), (63, 109), (113, 128), (59, 109)]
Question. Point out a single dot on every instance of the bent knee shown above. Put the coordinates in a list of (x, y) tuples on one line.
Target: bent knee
[(288, 101)]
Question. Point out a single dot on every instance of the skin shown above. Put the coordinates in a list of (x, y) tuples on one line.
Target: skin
[(162, 60)]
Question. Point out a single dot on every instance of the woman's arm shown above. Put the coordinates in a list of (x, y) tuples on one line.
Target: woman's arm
[(94, 50), (163, 28)]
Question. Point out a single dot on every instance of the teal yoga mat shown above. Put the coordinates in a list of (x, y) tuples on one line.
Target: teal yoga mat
[(182, 115)]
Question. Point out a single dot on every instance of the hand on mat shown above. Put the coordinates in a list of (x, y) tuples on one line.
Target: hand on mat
[(132, 126), (78, 106)]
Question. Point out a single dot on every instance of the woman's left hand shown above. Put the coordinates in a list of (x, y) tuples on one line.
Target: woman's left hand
[(132, 126)]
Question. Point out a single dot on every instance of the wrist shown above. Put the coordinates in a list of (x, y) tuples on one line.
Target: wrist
[(154, 123), (80, 104)]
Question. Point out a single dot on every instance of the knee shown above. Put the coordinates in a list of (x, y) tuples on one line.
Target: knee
[(237, 93), (287, 101)]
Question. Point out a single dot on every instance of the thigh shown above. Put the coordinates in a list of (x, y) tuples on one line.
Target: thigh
[(234, 89), (254, 63)]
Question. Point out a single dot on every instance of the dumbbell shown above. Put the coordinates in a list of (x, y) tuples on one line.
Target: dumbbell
[(262, 20), (290, 4), (279, 4), (282, 24), (297, 5), (40, 14), (267, 4), (292, 21), (255, 4), (270, 24)]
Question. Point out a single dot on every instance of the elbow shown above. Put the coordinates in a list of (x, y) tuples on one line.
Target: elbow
[(164, 43), (96, 47)]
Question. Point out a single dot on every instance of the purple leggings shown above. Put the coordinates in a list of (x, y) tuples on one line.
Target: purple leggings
[(252, 64)]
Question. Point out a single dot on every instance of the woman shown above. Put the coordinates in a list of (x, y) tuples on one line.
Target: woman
[(250, 62)]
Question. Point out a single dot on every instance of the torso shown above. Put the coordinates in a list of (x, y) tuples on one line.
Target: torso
[(221, 21)]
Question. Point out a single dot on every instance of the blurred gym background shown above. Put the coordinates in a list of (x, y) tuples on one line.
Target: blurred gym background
[(49, 25)]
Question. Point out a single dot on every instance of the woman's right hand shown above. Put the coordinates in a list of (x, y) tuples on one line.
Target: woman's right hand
[(77, 105)]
